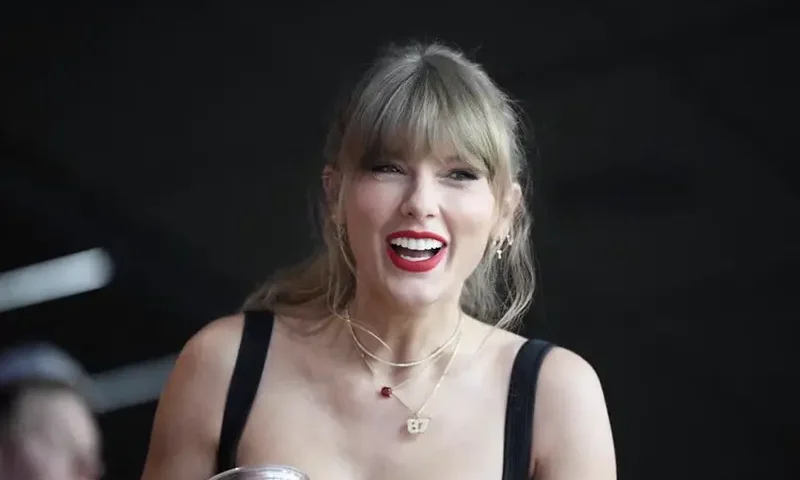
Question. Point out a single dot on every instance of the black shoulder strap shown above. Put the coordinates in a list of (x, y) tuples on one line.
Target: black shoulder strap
[(246, 377), (519, 410)]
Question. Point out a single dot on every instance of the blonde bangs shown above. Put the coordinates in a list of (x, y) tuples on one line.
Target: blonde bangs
[(424, 111)]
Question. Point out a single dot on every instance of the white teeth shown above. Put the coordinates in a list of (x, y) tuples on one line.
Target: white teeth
[(417, 243), (415, 259)]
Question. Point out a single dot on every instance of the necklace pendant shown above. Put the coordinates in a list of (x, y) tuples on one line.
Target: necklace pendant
[(417, 425), (386, 392)]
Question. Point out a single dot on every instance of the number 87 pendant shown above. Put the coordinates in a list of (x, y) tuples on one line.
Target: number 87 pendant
[(417, 425)]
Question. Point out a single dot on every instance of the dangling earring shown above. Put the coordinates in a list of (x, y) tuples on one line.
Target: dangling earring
[(499, 244)]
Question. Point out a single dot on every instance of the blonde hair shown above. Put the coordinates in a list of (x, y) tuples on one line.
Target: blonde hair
[(425, 96)]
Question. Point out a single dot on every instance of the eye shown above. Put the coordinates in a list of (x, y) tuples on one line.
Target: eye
[(385, 169), (462, 174)]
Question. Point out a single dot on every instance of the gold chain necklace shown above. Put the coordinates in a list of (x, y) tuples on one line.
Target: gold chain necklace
[(416, 424), (432, 356)]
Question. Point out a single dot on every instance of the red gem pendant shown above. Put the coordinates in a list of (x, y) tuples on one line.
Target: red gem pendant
[(386, 392)]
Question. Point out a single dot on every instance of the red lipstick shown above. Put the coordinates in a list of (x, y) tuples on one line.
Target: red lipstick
[(413, 259)]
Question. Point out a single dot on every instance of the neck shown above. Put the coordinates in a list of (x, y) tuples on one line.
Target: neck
[(403, 335)]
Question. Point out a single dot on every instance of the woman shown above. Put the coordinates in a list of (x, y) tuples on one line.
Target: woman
[(388, 354)]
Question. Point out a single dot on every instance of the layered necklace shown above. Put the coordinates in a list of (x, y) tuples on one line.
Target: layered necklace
[(417, 423)]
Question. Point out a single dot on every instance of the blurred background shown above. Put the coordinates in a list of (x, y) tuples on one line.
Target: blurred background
[(160, 157)]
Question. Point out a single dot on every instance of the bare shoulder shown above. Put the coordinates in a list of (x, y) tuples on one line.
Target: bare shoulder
[(215, 346), (565, 373), (188, 418), (206, 361), (571, 423)]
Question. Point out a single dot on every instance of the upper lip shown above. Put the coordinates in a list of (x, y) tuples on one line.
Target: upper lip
[(416, 234)]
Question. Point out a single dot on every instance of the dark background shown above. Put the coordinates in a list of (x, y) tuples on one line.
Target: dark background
[(184, 140)]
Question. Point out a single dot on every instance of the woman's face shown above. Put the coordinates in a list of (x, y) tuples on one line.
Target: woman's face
[(418, 227)]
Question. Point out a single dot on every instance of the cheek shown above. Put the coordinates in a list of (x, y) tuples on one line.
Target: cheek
[(367, 208), (472, 220), (475, 215), (366, 204)]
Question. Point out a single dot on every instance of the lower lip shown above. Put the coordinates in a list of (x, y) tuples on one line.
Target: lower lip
[(416, 266)]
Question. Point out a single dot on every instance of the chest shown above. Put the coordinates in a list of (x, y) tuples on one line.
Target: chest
[(346, 430)]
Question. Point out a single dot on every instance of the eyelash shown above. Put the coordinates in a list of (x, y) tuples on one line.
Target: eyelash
[(457, 174), (385, 169), (463, 175)]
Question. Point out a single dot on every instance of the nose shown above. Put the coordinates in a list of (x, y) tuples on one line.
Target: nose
[(422, 199)]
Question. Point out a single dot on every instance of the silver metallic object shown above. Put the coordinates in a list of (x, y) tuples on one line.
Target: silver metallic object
[(267, 472)]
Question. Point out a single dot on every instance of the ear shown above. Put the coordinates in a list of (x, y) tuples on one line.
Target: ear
[(507, 209)]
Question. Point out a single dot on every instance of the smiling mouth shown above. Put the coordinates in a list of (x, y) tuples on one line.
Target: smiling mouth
[(416, 249)]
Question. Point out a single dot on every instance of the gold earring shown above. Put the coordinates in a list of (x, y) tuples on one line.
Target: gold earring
[(499, 245)]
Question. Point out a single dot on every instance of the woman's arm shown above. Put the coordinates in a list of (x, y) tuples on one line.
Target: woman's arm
[(572, 431), (184, 439)]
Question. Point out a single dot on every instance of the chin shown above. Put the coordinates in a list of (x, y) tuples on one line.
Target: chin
[(414, 295)]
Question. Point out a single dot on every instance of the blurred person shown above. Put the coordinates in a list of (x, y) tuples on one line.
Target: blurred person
[(47, 429), (390, 353)]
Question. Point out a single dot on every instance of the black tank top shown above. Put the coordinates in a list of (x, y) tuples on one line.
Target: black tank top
[(252, 357)]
